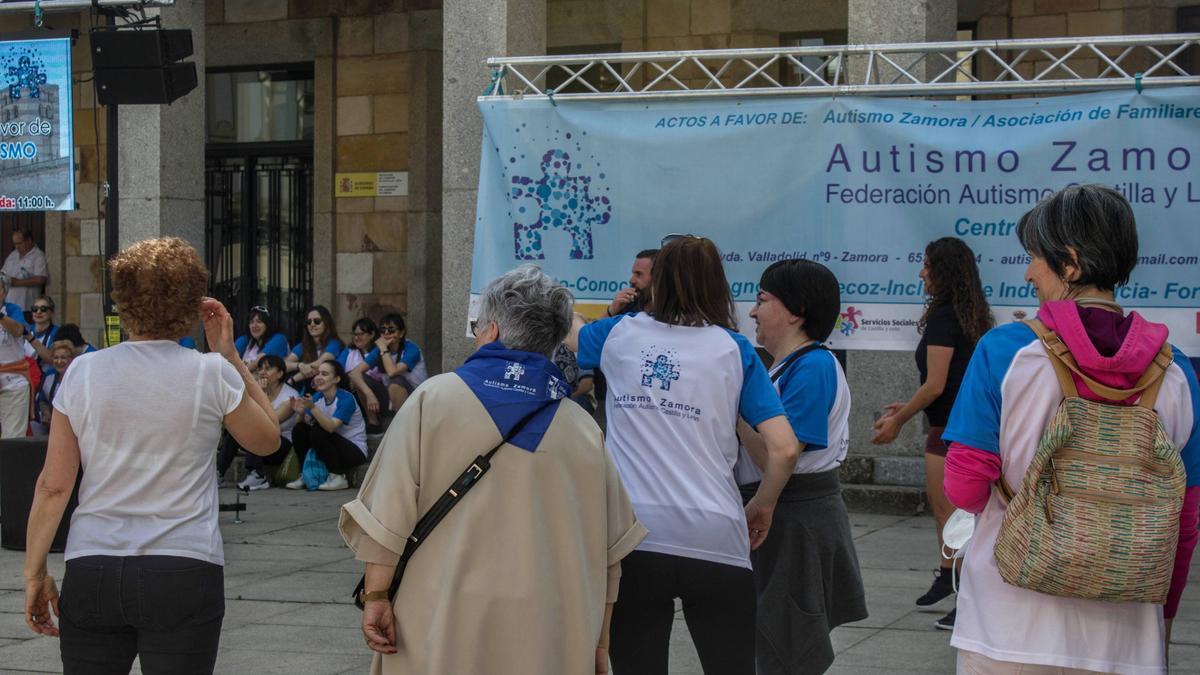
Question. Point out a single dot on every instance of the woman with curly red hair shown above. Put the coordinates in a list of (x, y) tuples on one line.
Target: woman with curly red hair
[(956, 316), (144, 556)]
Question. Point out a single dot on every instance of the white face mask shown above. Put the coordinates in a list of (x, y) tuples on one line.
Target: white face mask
[(957, 532)]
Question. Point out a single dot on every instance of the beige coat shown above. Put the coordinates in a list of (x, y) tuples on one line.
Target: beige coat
[(515, 578)]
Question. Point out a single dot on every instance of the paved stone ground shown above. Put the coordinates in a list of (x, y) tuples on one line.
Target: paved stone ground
[(288, 576)]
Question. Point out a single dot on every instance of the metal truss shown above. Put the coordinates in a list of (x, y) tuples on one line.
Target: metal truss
[(1036, 66), (75, 5)]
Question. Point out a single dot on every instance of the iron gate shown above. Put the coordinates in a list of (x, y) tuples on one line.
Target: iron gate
[(259, 235)]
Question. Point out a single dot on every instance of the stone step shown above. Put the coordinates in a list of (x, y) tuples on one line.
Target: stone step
[(898, 500), (909, 471)]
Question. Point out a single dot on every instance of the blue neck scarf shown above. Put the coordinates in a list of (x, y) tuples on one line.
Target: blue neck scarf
[(511, 384)]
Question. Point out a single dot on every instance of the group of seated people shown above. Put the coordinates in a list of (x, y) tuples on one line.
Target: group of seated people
[(328, 395)]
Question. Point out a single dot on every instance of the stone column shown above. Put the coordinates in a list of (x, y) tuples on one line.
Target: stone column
[(162, 153), (878, 378), (425, 184), (473, 30), (898, 21)]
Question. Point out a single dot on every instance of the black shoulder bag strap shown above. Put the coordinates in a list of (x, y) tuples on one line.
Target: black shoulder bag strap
[(454, 494), (793, 357)]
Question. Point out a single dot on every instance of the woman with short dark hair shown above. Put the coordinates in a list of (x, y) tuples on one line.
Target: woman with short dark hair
[(144, 556), (806, 571), (362, 362), (956, 316), (679, 376), (400, 361), (1083, 244), (271, 373)]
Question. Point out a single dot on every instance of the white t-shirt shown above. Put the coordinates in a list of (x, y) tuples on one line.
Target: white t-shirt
[(817, 400), (1008, 396), (147, 455), (286, 393), (674, 396), (33, 264)]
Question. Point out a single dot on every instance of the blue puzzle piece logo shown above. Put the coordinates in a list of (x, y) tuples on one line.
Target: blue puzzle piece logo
[(662, 369), (564, 202), (25, 75)]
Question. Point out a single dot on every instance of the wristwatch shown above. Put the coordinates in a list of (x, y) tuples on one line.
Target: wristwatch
[(373, 596)]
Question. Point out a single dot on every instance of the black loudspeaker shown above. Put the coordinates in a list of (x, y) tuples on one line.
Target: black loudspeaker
[(21, 461), (142, 66)]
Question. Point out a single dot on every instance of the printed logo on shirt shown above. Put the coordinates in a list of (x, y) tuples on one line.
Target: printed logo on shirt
[(514, 371), (556, 388), (661, 368)]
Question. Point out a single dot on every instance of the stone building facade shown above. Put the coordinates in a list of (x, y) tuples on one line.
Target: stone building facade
[(393, 89)]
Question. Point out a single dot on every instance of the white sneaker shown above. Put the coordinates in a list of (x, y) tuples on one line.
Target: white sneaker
[(336, 481), (254, 481), (297, 484)]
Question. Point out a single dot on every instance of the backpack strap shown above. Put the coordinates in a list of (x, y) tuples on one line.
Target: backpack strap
[(1064, 364), (1150, 395), (1065, 381)]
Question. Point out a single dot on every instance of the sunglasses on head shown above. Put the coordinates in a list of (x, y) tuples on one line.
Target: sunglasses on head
[(314, 322), (259, 309), (41, 308), (675, 237)]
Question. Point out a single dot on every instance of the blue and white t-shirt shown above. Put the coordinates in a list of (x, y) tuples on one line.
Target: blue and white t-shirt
[(674, 396), (817, 401), (285, 395), (351, 358), (343, 407), (1008, 396), (333, 346), (276, 345), (410, 356)]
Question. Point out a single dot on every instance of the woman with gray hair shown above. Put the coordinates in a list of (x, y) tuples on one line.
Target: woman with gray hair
[(535, 550), (14, 369)]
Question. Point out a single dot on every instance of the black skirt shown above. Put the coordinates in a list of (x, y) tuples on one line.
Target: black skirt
[(807, 576)]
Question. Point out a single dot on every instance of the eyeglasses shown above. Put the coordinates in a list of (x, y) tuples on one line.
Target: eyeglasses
[(674, 237), (259, 309), (388, 330), (474, 324), (359, 333), (314, 322), (41, 308)]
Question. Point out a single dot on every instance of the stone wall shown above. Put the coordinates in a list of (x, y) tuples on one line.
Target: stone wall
[(367, 61)]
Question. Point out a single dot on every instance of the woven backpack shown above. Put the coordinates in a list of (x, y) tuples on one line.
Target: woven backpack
[(1097, 514)]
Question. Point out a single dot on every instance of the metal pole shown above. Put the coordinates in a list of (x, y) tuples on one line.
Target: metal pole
[(76, 5), (112, 239)]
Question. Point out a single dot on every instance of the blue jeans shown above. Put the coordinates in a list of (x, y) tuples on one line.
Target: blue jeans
[(166, 610)]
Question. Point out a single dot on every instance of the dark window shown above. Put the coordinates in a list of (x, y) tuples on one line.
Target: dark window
[(35, 221), (791, 75), (1189, 22), (258, 191), (597, 76), (259, 106)]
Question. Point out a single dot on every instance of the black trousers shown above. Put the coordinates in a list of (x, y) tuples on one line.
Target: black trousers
[(229, 448), (718, 605), (339, 454), (165, 610)]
